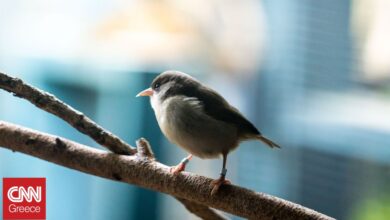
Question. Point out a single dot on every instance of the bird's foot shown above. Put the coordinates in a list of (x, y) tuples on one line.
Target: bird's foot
[(178, 168), (181, 166), (217, 183)]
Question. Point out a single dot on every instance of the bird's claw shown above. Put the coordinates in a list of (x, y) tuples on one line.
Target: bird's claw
[(178, 168), (217, 183), (181, 166)]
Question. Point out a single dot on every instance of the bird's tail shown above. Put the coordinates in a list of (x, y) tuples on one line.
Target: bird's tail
[(267, 141)]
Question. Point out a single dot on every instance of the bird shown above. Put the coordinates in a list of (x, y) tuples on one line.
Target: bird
[(199, 120)]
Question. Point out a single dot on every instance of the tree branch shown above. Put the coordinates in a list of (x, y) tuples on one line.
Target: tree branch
[(78, 120), (200, 210), (51, 104), (204, 212), (150, 174)]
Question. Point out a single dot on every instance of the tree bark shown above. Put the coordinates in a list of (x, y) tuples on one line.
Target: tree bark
[(78, 120), (134, 166), (145, 172)]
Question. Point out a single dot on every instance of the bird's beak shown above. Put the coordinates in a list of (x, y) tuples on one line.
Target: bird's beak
[(146, 92)]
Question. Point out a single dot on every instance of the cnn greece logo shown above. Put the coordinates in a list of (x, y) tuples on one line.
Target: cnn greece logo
[(22, 193), (24, 198)]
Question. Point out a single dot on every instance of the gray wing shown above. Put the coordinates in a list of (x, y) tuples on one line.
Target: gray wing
[(217, 107)]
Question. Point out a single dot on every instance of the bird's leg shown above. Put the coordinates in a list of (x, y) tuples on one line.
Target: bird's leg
[(181, 166), (221, 180)]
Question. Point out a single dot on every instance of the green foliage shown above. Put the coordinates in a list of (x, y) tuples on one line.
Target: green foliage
[(373, 209)]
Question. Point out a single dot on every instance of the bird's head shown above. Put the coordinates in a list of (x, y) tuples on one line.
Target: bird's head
[(168, 84)]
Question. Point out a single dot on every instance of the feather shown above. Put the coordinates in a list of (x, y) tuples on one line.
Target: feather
[(267, 141), (217, 107)]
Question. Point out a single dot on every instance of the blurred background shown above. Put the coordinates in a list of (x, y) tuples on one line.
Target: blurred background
[(312, 75)]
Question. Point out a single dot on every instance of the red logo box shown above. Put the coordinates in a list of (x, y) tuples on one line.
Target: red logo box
[(24, 198)]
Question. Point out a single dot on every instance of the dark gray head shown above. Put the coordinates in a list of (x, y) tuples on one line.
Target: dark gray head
[(170, 83)]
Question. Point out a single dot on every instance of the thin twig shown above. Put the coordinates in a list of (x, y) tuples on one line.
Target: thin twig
[(150, 174), (144, 149), (78, 120)]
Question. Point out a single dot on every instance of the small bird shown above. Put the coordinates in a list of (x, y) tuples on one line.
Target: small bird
[(199, 120)]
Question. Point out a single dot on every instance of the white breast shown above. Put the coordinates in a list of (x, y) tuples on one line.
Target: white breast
[(184, 122)]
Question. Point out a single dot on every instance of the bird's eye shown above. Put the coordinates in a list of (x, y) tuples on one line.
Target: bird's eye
[(156, 86)]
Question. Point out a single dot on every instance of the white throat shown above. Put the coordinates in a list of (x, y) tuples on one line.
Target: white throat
[(155, 102)]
